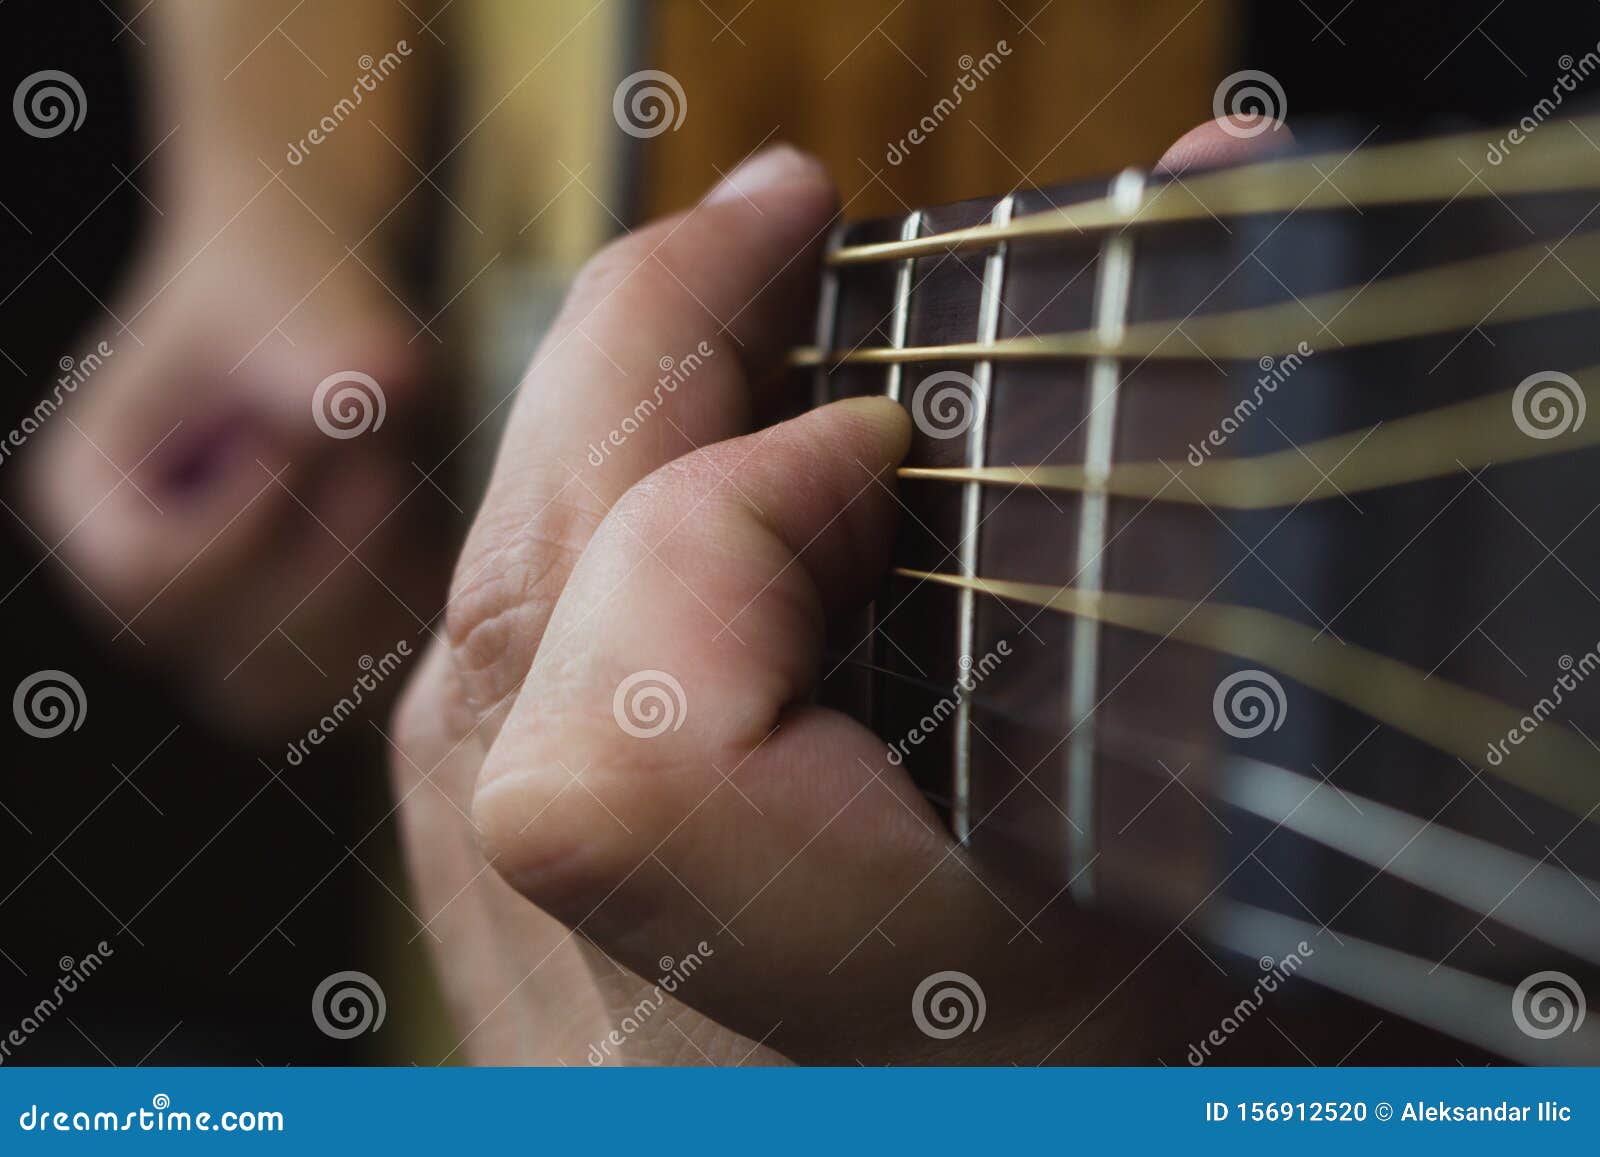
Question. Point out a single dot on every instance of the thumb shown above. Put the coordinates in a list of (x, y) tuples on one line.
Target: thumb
[(662, 783)]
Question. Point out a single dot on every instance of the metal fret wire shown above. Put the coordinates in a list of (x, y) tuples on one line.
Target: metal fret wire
[(994, 274), (1112, 286), (827, 319), (899, 323)]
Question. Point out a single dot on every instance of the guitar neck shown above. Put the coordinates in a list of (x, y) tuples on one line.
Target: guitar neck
[(1226, 556)]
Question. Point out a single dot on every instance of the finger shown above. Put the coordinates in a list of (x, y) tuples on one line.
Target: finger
[(655, 353), (774, 831), (1223, 142)]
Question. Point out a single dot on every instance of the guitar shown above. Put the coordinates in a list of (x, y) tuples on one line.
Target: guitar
[(1247, 579)]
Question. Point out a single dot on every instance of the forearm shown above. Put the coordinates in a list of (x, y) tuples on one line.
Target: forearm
[(331, 100)]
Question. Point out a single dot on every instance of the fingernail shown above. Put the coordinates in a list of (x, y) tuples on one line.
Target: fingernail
[(771, 167)]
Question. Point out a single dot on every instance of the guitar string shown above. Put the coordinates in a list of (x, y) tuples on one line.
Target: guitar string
[(1560, 159), (1517, 284), (1552, 762), (1468, 870), (1444, 441)]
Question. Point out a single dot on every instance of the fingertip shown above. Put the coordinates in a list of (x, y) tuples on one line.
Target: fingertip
[(1224, 141), (881, 420), (777, 173)]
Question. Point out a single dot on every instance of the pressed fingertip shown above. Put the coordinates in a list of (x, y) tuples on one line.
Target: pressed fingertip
[(883, 419)]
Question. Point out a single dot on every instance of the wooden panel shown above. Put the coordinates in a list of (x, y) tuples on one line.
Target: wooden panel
[(1085, 89)]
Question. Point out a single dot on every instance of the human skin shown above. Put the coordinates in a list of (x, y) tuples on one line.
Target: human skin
[(222, 559), (559, 859)]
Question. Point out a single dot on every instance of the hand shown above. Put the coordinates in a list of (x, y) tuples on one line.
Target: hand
[(767, 840), (209, 552)]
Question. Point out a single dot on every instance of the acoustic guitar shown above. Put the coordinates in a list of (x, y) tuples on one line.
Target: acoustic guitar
[(1248, 577)]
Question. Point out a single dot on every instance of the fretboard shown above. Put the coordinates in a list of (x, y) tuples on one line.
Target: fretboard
[(1246, 521)]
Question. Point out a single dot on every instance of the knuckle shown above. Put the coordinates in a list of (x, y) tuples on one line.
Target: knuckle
[(509, 578)]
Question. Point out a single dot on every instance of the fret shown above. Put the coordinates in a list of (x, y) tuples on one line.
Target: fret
[(827, 318), (994, 271), (1112, 289), (901, 317)]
